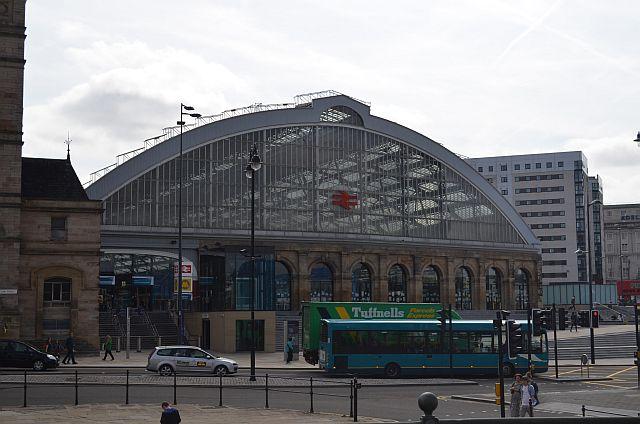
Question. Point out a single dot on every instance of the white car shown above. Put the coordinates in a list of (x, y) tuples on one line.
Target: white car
[(166, 360)]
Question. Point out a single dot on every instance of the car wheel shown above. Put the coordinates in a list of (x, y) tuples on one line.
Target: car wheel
[(38, 365), (165, 370), (392, 370), (221, 370), (508, 370)]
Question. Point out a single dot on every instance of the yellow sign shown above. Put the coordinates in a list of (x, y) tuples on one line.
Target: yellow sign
[(187, 285)]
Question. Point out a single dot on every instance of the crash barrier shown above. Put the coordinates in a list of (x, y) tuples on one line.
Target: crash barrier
[(428, 403), (218, 385)]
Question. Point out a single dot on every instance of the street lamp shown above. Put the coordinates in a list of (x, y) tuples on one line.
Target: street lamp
[(189, 112), (250, 172), (637, 140)]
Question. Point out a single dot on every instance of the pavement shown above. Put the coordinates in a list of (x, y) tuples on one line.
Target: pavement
[(192, 414), (601, 330)]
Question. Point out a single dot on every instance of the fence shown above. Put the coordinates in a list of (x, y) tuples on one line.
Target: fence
[(212, 388)]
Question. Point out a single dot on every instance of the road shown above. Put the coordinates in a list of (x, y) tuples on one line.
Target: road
[(377, 398)]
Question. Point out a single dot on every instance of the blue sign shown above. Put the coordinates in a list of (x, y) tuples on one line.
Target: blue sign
[(107, 280), (142, 280), (206, 281)]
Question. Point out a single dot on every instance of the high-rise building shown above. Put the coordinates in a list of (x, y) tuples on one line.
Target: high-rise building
[(552, 192), (622, 248)]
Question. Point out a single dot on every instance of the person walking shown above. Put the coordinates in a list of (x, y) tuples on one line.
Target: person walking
[(70, 344), (533, 383), (289, 349), (516, 396), (108, 345), (574, 321), (48, 346), (527, 398), (170, 415)]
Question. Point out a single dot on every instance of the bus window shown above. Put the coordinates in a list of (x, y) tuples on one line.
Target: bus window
[(434, 340), (538, 344), (412, 342), (460, 342), (482, 343)]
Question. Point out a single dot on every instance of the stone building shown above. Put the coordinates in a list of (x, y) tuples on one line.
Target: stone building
[(622, 250), (348, 207), (49, 229)]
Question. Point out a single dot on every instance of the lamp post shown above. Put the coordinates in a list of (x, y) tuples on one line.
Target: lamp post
[(250, 172), (637, 140), (184, 110)]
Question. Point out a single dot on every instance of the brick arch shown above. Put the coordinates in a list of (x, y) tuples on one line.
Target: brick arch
[(335, 281), (372, 272), (441, 279)]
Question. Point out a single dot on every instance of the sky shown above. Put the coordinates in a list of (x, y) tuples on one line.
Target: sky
[(483, 78)]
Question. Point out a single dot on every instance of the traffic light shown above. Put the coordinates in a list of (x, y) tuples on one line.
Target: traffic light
[(595, 321), (515, 338), (562, 319), (583, 318), (546, 319), (536, 315)]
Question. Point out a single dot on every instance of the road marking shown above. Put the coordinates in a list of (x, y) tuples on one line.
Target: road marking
[(569, 372), (606, 385), (619, 372)]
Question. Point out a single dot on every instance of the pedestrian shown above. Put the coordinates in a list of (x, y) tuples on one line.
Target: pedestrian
[(573, 304), (528, 398), (516, 396), (535, 388), (48, 346), (574, 321), (108, 345), (170, 415), (69, 343), (289, 349)]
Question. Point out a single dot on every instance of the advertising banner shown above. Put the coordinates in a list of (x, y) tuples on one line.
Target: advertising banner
[(187, 285), (629, 288)]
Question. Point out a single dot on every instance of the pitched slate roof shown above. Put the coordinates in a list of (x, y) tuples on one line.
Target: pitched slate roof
[(51, 179)]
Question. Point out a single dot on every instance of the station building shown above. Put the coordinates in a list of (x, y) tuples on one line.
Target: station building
[(348, 207)]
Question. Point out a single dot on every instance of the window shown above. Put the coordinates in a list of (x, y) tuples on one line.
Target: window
[(493, 285), (482, 343), (490, 168), (430, 285), (522, 289), (57, 292), (516, 167), (503, 167), (283, 287), (538, 165), (549, 164), (463, 288), (551, 263), (397, 284), (504, 179), (479, 169), (361, 285), (490, 180), (58, 228), (197, 353), (560, 164), (504, 192), (527, 166), (321, 282)]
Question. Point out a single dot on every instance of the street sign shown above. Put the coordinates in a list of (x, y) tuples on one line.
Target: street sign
[(4, 292)]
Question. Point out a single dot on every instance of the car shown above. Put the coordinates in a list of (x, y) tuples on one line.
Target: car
[(17, 354), (166, 360)]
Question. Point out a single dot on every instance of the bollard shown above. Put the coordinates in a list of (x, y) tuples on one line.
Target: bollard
[(428, 402), (266, 391), (199, 341), (159, 340), (126, 400), (76, 384), (220, 385), (175, 384), (24, 395), (530, 408), (311, 395), (351, 398), (139, 349), (356, 386), (118, 344), (584, 411)]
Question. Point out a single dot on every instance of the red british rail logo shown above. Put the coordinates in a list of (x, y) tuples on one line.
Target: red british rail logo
[(344, 200)]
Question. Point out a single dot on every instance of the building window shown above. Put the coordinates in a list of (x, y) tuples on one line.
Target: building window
[(397, 284), (522, 289), (490, 168), (361, 285), (430, 285), (503, 167), (479, 169), (527, 166), (321, 283), (516, 167), (58, 228), (493, 289), (463, 289), (283, 287), (504, 192), (538, 165), (560, 164), (504, 179), (57, 292), (549, 164)]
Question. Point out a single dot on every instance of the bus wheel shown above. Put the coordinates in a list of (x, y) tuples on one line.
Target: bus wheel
[(392, 370), (508, 370)]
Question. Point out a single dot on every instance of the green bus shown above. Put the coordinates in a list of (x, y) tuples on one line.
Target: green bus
[(313, 312)]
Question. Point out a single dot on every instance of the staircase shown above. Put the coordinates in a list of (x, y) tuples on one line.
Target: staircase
[(108, 324), (281, 317), (165, 327), (618, 345)]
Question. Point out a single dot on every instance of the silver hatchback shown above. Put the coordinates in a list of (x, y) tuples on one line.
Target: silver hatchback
[(166, 360)]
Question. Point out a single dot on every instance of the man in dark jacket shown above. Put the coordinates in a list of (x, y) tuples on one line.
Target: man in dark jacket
[(70, 345), (170, 415)]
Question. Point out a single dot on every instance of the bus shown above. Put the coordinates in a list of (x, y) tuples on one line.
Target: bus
[(313, 312), (418, 347)]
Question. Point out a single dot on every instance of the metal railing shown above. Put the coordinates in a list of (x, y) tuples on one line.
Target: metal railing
[(310, 387), (615, 414)]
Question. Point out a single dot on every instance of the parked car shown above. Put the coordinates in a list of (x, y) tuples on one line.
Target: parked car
[(166, 360), (17, 354)]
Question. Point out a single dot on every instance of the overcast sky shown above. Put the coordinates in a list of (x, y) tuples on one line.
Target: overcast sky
[(481, 77)]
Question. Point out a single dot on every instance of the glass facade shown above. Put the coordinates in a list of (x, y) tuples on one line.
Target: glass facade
[(493, 288), (321, 283), (522, 289), (397, 284), (326, 178), (463, 288), (361, 284), (430, 285), (283, 287)]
